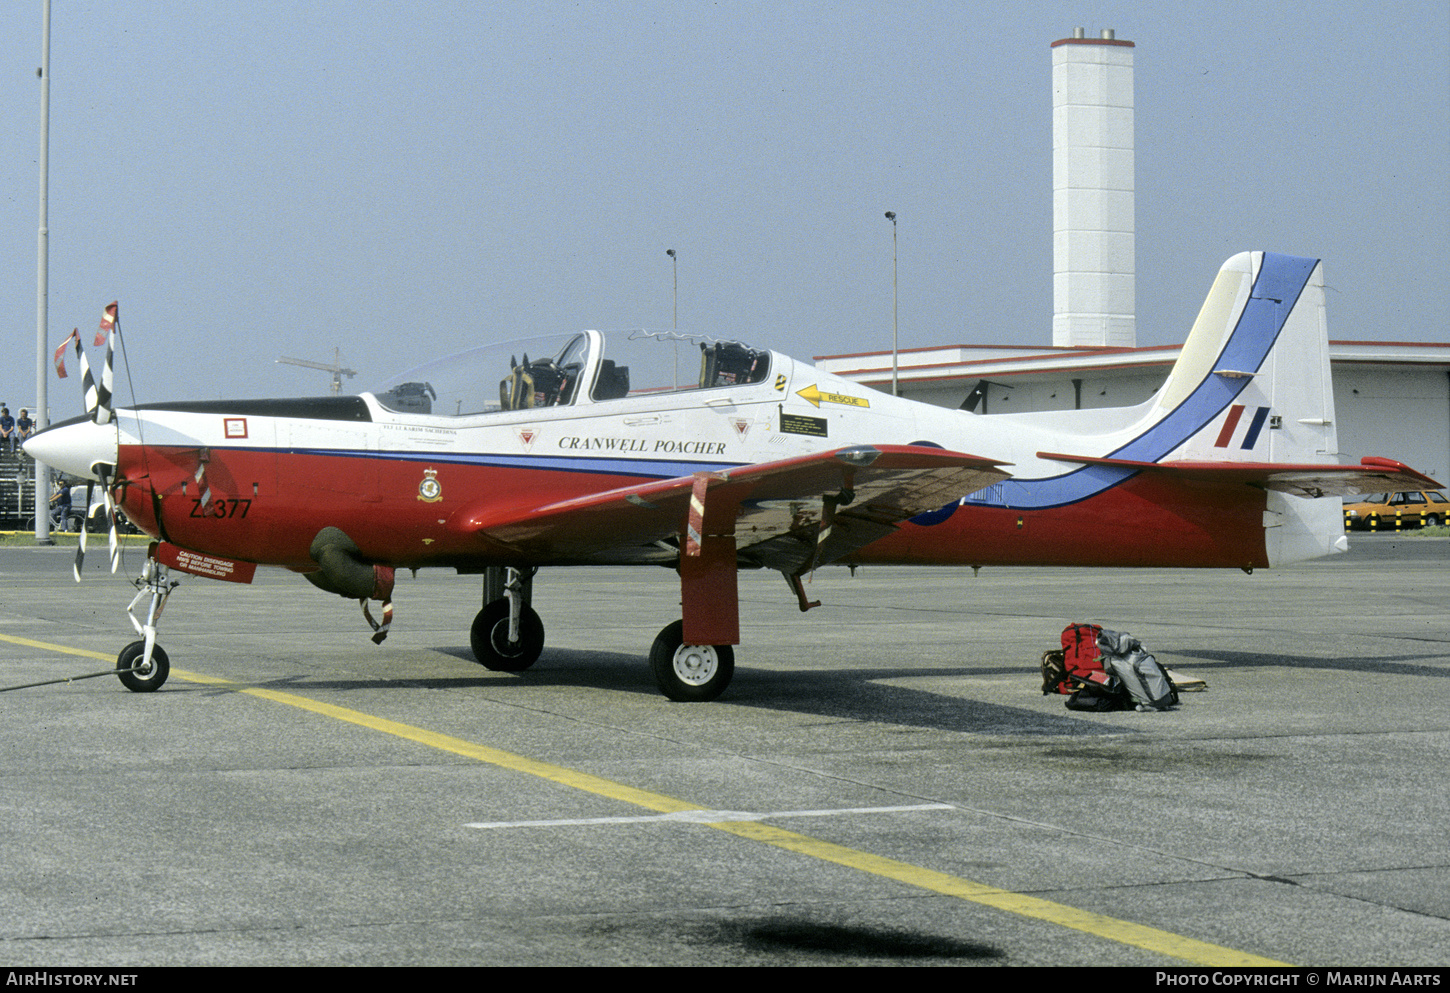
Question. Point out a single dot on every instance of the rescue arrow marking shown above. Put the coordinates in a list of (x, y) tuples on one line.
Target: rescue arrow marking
[(815, 397)]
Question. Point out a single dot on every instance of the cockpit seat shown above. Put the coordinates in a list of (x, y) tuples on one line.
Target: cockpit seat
[(613, 381), (540, 383), (727, 363)]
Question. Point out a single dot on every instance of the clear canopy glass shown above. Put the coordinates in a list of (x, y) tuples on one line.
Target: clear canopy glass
[(569, 369)]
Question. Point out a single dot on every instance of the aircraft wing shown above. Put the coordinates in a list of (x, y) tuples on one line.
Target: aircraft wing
[(773, 508), (1372, 475)]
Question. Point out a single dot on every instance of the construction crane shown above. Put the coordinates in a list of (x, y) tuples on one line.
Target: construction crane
[(336, 368)]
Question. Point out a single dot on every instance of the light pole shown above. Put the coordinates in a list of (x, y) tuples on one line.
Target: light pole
[(895, 362), (42, 406), (675, 262), (675, 320)]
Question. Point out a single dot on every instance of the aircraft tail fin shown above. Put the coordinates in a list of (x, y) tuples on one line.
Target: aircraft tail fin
[(1251, 397), (1252, 383)]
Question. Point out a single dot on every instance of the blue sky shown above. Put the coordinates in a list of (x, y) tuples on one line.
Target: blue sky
[(401, 180)]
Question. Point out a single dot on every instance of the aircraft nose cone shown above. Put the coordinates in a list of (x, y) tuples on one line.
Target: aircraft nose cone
[(74, 446)]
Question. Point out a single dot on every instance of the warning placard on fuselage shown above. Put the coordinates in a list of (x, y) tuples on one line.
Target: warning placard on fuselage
[(802, 424)]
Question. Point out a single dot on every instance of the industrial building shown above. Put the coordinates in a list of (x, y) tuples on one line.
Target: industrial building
[(1391, 398)]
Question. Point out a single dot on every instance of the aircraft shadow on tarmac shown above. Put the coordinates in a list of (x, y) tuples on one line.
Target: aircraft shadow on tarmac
[(1394, 665), (843, 694)]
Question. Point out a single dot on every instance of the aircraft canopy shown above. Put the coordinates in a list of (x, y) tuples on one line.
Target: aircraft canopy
[(571, 369)]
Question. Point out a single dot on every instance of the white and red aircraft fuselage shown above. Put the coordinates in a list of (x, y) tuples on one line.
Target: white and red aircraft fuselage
[(621, 452)]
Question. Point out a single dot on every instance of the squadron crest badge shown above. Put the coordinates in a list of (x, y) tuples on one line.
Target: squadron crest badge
[(430, 490)]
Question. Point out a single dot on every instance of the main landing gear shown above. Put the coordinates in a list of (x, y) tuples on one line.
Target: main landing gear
[(508, 636), (506, 641), (690, 673)]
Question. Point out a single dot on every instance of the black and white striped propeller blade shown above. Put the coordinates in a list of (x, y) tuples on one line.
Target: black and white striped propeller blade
[(81, 545), (105, 473)]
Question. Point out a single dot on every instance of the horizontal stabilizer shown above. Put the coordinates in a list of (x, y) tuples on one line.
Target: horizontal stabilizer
[(1372, 475)]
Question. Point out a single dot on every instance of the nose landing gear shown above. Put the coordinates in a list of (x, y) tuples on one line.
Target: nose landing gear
[(142, 666)]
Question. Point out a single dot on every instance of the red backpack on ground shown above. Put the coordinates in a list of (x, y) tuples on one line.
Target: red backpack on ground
[(1080, 661)]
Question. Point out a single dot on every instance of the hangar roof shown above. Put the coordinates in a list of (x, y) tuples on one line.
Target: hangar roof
[(943, 363)]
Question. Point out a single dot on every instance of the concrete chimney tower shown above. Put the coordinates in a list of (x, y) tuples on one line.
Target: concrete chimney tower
[(1093, 255)]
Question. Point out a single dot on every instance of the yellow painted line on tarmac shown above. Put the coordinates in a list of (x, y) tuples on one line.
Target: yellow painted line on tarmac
[(1123, 932), (52, 647), (442, 742), (1120, 931), (468, 749)]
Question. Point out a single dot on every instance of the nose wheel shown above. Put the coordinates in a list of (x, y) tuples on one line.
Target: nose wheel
[(690, 673), (138, 674)]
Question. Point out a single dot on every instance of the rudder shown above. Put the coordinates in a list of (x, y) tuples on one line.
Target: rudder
[(1255, 369)]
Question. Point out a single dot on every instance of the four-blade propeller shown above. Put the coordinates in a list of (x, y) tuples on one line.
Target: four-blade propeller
[(99, 409)]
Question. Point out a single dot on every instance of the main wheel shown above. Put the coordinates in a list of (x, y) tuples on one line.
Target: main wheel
[(146, 680), (691, 673), (490, 633)]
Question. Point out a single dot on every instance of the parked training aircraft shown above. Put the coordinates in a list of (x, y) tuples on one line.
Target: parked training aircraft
[(575, 450)]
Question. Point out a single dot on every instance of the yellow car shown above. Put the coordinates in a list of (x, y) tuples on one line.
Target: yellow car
[(1389, 511)]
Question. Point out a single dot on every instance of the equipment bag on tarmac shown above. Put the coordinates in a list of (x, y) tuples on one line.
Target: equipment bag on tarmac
[(1100, 696), (1078, 661), (1106, 670), (1076, 670), (1057, 679), (1141, 676), (1054, 673)]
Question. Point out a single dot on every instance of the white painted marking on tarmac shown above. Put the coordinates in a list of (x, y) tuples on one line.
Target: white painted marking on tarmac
[(709, 816)]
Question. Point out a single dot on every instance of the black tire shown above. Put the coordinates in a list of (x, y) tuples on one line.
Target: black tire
[(1432, 520), (147, 681), (690, 673), (489, 637)]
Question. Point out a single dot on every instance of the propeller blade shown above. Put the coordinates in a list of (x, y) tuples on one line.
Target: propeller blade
[(98, 401), (97, 391), (115, 544), (103, 394), (81, 546), (111, 516)]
